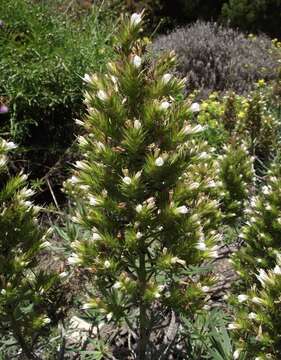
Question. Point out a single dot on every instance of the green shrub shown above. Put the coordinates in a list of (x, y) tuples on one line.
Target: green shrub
[(255, 16), (44, 56), (214, 58)]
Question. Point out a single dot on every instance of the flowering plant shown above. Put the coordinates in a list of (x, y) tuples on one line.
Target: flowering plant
[(140, 197)]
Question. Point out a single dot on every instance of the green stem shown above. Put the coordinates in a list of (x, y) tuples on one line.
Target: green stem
[(143, 321)]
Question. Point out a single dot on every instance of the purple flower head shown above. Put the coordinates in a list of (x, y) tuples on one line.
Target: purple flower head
[(3, 109)]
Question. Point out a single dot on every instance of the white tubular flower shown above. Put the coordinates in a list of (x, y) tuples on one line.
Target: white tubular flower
[(182, 210), (87, 306), (107, 264), (26, 193), (236, 354), (242, 298), (136, 61), (117, 285), (176, 260), (233, 326), (257, 300), (82, 165), (205, 289), (3, 160), (10, 145), (252, 316), (159, 161), (277, 270), (139, 235), (93, 200), (195, 107), (96, 236), (166, 78), (73, 259), (74, 180), (138, 208), (136, 19), (263, 277), (190, 130), (87, 78), (137, 124), (127, 180), (164, 105), (82, 140), (201, 246), (102, 95)]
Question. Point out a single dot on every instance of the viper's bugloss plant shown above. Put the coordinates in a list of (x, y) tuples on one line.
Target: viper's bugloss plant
[(147, 227), (237, 177), (23, 288), (256, 324)]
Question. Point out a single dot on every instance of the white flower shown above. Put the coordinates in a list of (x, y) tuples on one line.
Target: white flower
[(195, 107), (107, 264), (205, 288), (164, 105), (117, 285), (201, 246), (63, 274), (166, 78), (176, 260), (137, 124), (135, 19), (159, 161), (73, 259), (182, 210), (81, 165), (263, 277), (136, 61), (109, 316), (93, 200), (87, 306), (138, 235), (96, 236), (127, 180), (102, 95), (257, 300), (233, 326), (236, 354), (252, 316), (87, 78), (74, 180), (9, 145), (188, 130), (242, 298), (138, 208), (277, 270)]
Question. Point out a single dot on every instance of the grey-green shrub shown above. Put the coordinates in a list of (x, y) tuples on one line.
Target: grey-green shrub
[(216, 58)]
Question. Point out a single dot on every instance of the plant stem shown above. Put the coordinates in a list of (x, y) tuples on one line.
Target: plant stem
[(143, 323)]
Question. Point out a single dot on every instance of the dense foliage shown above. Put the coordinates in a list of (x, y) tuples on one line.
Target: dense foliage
[(255, 16), (44, 55)]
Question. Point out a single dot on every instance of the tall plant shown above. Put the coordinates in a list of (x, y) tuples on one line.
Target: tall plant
[(24, 289), (147, 227), (257, 301)]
